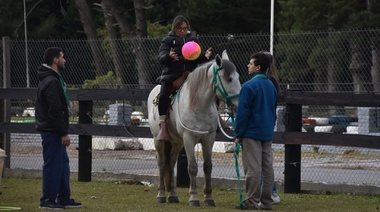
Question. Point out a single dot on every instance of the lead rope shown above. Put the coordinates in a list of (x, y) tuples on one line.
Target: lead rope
[(236, 156)]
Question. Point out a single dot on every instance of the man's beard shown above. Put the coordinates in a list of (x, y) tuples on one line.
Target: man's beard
[(61, 67)]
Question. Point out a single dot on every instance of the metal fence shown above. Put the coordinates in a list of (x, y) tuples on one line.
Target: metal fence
[(343, 61)]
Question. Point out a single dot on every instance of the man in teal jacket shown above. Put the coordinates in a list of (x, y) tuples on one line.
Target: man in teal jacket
[(255, 119)]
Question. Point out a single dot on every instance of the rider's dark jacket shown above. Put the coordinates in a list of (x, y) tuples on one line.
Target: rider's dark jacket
[(172, 67)]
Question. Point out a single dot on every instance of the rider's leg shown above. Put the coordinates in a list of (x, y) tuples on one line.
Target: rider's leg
[(163, 104)]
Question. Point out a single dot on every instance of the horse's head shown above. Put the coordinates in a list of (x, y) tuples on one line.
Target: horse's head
[(226, 81)]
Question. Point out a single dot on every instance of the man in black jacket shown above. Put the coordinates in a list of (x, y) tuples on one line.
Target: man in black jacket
[(52, 120)]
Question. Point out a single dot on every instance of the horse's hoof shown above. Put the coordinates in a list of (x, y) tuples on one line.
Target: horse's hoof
[(173, 199), (209, 203), (194, 203), (160, 199)]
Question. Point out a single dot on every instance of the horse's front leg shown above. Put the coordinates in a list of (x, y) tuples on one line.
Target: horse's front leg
[(207, 169), (193, 171)]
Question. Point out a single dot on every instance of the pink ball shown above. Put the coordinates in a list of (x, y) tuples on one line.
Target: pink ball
[(191, 50)]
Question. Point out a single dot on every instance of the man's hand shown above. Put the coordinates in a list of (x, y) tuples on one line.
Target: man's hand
[(237, 140), (65, 140)]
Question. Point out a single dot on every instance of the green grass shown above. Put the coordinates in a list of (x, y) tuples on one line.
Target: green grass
[(115, 196)]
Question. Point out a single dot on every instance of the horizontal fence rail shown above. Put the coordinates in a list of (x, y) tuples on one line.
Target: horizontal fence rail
[(288, 97)]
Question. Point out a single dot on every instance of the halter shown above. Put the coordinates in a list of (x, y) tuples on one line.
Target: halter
[(216, 87), (219, 86)]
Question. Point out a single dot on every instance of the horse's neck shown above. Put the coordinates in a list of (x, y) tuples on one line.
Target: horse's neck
[(205, 99)]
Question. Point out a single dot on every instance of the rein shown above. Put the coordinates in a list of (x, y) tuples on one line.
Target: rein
[(216, 87)]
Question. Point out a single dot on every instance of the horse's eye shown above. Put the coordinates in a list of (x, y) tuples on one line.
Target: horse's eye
[(230, 79)]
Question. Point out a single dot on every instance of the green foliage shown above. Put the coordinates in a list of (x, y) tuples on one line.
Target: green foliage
[(293, 52), (225, 16), (106, 81), (157, 30), (312, 15)]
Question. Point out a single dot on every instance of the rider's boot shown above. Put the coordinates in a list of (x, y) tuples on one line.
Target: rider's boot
[(163, 134)]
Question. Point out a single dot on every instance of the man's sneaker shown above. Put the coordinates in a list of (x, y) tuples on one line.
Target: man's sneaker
[(73, 204), (275, 198), (247, 205), (51, 205)]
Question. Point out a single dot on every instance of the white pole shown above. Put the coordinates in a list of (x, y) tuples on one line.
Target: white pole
[(271, 25), (26, 48)]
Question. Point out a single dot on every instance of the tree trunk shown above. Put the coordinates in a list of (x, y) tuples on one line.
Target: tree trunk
[(113, 39), (121, 20), (140, 51), (375, 70), (361, 64), (92, 38)]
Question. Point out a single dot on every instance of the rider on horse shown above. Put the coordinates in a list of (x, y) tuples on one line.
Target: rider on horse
[(170, 56)]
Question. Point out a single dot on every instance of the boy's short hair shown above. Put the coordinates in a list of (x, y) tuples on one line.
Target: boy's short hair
[(261, 59)]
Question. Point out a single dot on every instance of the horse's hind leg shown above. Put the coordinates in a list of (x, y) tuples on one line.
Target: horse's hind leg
[(173, 197), (161, 158)]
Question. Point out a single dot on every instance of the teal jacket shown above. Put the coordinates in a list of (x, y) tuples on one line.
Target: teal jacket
[(256, 113)]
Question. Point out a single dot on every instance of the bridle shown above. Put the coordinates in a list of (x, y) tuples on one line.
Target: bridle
[(220, 87)]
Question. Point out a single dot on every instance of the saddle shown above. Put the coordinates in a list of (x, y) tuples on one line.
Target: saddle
[(173, 88)]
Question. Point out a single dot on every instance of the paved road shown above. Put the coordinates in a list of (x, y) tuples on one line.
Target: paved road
[(149, 167)]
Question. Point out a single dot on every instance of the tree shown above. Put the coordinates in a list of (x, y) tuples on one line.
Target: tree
[(225, 16), (92, 37), (114, 38), (139, 47), (298, 15)]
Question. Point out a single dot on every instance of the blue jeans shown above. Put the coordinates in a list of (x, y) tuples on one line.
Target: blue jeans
[(274, 190), (55, 169)]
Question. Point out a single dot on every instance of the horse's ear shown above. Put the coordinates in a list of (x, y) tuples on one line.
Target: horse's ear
[(225, 55), (218, 60)]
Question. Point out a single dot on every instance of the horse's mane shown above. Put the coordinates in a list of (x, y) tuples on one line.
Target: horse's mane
[(198, 81)]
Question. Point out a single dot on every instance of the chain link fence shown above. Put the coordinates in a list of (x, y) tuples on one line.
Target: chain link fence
[(341, 61)]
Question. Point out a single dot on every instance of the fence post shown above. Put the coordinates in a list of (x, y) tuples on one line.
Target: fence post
[(5, 104), (85, 143), (183, 179), (292, 178)]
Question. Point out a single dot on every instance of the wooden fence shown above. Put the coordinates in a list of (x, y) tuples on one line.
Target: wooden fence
[(293, 138)]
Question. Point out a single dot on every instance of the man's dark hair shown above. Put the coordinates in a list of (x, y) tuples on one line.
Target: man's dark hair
[(261, 59), (51, 53)]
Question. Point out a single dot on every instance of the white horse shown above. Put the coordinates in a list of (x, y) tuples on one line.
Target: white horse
[(193, 120)]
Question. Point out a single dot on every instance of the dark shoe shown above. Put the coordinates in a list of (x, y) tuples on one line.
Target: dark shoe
[(163, 134), (73, 204), (247, 205), (51, 205)]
